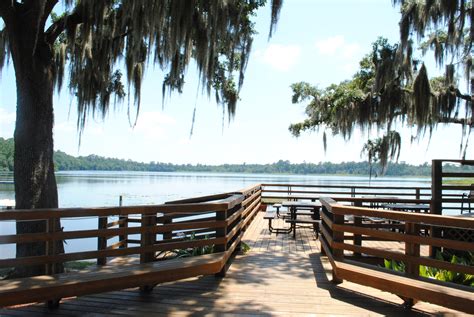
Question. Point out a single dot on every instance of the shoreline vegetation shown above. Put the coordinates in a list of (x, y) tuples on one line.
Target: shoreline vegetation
[(66, 162)]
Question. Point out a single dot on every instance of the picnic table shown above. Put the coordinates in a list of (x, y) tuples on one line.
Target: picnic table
[(407, 207), (294, 206)]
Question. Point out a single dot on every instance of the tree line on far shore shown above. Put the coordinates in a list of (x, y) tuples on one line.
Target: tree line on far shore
[(65, 162)]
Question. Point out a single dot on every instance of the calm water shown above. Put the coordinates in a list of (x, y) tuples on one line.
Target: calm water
[(87, 189), (97, 189)]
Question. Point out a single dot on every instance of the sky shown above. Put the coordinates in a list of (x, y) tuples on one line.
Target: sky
[(317, 41)]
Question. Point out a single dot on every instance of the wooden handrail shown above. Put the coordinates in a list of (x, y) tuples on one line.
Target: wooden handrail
[(81, 234), (43, 214), (420, 218), (345, 186), (154, 219), (339, 220), (326, 193)]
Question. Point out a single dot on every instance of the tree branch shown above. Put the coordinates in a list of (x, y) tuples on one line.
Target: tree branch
[(48, 8), (62, 24), (460, 95), (462, 121), (6, 8)]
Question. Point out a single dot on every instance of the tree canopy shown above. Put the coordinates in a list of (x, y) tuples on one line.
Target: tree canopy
[(96, 40), (392, 84)]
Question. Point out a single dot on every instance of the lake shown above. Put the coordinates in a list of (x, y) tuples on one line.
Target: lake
[(95, 189), (100, 189)]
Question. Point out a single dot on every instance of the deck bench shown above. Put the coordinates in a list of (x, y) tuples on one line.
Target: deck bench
[(456, 297), (51, 288)]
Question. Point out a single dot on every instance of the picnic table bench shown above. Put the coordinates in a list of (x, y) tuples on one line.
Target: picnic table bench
[(300, 208), (272, 215)]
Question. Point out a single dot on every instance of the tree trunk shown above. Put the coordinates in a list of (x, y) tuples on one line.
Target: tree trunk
[(35, 183)]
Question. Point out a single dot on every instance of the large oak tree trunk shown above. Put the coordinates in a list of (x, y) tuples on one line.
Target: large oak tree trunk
[(35, 183)]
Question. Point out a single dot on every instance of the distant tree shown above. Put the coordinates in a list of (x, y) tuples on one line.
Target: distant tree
[(96, 40), (392, 84), (381, 149)]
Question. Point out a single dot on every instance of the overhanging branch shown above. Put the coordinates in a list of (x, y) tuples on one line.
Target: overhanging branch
[(463, 121), (48, 8), (460, 95), (60, 25), (6, 8)]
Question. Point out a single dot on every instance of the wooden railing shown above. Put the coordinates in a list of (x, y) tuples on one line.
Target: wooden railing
[(450, 196), (446, 196), (218, 221), (148, 232), (353, 261), (303, 191)]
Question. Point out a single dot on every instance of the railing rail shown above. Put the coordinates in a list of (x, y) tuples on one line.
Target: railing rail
[(145, 231), (451, 195), (350, 259)]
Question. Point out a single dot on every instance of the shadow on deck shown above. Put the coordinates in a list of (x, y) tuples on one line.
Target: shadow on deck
[(278, 276)]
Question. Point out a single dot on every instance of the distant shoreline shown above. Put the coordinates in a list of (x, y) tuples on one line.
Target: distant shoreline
[(229, 172), (65, 162)]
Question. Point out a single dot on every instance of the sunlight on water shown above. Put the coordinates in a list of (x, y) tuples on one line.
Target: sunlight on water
[(99, 189)]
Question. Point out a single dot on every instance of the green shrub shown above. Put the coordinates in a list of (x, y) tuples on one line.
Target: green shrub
[(440, 274)]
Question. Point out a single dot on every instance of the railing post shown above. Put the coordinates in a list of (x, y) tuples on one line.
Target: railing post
[(51, 245), (411, 249), (102, 241), (123, 224), (52, 225), (147, 238), (168, 235), (337, 236), (417, 193), (221, 233), (357, 223), (436, 205)]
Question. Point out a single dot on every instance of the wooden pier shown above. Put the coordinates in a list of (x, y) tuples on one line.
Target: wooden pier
[(279, 276), (140, 269)]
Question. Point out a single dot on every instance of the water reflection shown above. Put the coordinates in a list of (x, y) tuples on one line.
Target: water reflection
[(95, 189), (91, 188)]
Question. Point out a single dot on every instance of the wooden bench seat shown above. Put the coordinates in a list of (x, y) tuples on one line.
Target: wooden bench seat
[(456, 297), (271, 215), (299, 213), (106, 278)]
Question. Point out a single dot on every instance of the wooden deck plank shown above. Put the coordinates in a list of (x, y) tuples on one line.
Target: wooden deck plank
[(279, 276)]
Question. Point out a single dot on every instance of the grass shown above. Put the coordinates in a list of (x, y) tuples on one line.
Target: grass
[(271, 201), (78, 265), (459, 181)]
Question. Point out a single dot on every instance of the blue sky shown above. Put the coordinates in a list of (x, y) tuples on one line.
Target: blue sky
[(318, 41)]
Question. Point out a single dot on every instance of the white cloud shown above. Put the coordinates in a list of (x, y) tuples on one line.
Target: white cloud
[(95, 130), (7, 117), (65, 127), (7, 123), (153, 123), (280, 57), (337, 49), (330, 45)]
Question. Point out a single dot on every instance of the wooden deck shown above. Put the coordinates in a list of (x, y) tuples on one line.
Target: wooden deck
[(279, 276)]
